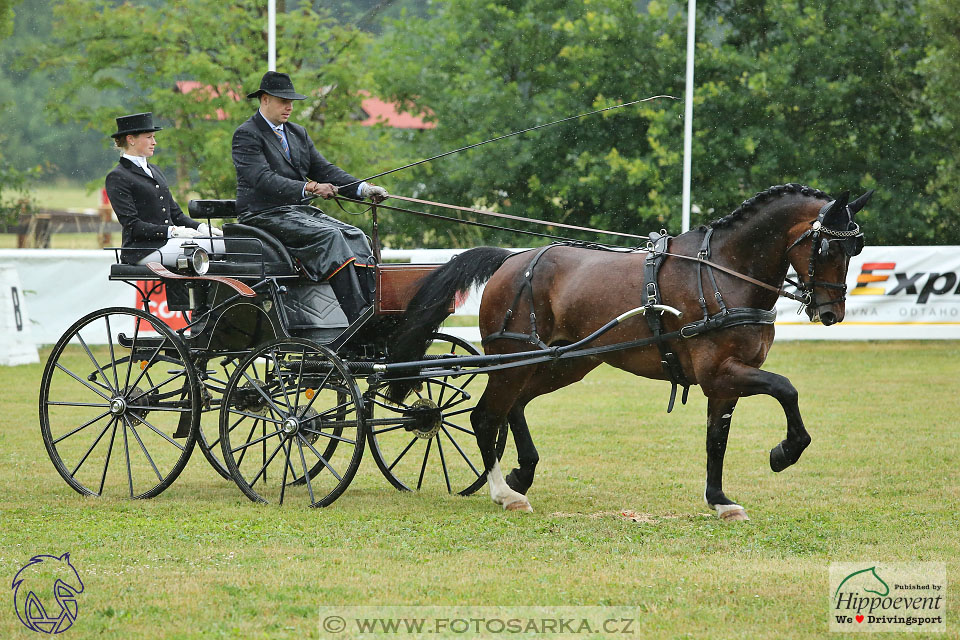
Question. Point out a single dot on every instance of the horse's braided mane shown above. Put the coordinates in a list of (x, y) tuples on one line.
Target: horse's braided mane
[(763, 196)]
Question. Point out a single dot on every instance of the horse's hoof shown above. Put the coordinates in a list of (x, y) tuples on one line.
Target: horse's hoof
[(731, 512), (519, 505), (778, 459), (734, 516)]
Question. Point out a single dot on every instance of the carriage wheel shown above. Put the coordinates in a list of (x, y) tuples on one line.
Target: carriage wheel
[(119, 404), (284, 406), (427, 441)]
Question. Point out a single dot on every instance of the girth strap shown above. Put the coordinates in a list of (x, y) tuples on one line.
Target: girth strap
[(659, 243)]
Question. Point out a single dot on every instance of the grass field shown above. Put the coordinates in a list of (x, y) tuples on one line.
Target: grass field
[(880, 482)]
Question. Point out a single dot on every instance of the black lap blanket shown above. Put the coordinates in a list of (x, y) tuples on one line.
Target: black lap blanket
[(322, 244)]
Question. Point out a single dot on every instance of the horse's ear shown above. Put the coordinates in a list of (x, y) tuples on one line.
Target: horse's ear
[(860, 202), (836, 215)]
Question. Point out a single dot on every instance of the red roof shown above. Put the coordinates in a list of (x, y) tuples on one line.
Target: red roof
[(379, 111)]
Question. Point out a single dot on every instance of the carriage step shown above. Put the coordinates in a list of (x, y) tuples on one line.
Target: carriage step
[(142, 342)]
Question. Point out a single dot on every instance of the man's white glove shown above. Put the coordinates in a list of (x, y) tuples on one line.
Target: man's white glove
[(209, 231), (184, 232), (374, 193)]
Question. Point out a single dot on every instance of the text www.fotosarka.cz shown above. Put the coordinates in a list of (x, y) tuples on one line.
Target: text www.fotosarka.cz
[(477, 622)]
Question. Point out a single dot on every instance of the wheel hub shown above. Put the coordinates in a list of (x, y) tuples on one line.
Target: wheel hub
[(291, 426), (118, 406), (427, 418)]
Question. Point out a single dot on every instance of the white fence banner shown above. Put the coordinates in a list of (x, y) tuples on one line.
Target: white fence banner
[(894, 293), (16, 337)]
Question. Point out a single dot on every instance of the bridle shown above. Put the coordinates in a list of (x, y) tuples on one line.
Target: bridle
[(851, 241)]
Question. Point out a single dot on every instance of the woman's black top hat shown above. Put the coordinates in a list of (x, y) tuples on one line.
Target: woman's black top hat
[(135, 123), (277, 84)]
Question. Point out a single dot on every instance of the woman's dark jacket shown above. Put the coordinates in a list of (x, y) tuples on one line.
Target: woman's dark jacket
[(144, 207)]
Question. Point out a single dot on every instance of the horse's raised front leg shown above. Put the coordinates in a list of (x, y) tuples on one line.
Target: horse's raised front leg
[(521, 477), (744, 380), (719, 414), (486, 424)]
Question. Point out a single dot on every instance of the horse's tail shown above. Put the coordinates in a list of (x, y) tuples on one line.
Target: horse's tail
[(431, 303)]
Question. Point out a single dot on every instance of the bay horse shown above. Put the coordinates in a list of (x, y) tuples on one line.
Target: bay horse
[(560, 294)]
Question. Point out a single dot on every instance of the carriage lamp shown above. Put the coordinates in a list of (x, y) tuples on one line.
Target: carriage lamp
[(194, 258)]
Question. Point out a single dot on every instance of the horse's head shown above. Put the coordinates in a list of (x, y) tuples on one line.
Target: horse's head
[(821, 254)]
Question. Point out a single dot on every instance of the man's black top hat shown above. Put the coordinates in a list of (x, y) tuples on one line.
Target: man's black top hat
[(277, 84), (135, 123)]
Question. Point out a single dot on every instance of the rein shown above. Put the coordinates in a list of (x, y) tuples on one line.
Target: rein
[(518, 218), (780, 291)]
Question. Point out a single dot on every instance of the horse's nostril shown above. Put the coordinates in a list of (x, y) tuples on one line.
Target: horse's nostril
[(828, 318)]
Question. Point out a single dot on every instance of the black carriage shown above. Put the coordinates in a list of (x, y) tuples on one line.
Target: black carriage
[(266, 376)]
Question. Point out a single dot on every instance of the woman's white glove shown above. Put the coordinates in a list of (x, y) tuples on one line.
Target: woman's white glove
[(184, 232), (374, 193), (209, 231)]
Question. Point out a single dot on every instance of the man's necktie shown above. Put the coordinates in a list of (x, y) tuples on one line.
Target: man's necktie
[(283, 143)]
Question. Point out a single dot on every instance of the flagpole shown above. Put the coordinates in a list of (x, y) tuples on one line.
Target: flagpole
[(688, 114), (271, 35)]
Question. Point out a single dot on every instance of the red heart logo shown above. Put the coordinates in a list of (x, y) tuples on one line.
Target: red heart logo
[(859, 618)]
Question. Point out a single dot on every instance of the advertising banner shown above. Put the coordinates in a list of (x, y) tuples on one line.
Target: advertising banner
[(893, 293)]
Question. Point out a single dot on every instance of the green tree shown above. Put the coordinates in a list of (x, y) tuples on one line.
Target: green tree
[(141, 56), (941, 68), (485, 69), (823, 93)]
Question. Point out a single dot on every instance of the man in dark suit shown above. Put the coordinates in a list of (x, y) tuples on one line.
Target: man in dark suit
[(278, 168)]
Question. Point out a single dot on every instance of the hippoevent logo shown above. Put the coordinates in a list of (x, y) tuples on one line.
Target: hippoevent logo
[(921, 284), (888, 597), (45, 594)]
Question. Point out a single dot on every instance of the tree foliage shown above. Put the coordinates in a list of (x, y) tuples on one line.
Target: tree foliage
[(140, 56), (824, 93)]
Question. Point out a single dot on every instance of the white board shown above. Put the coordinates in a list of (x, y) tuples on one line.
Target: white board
[(16, 337)]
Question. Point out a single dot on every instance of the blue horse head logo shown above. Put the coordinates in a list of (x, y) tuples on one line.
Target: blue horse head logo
[(45, 594)]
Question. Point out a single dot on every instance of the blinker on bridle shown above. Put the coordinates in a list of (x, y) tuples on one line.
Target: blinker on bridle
[(851, 241)]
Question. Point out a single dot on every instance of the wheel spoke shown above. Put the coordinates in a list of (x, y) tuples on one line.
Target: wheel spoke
[(263, 469), (113, 356), (283, 387), (377, 432), (84, 458), (317, 394), (306, 472), (459, 449), (157, 386), (83, 426), (126, 452), (322, 459), (255, 416), (79, 404), (443, 465), (259, 389), (161, 434), (403, 453), (83, 382), (144, 449), (459, 428), (423, 468), (260, 439), (133, 349), (106, 463), (249, 436), (283, 482), (331, 436), (96, 364)]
